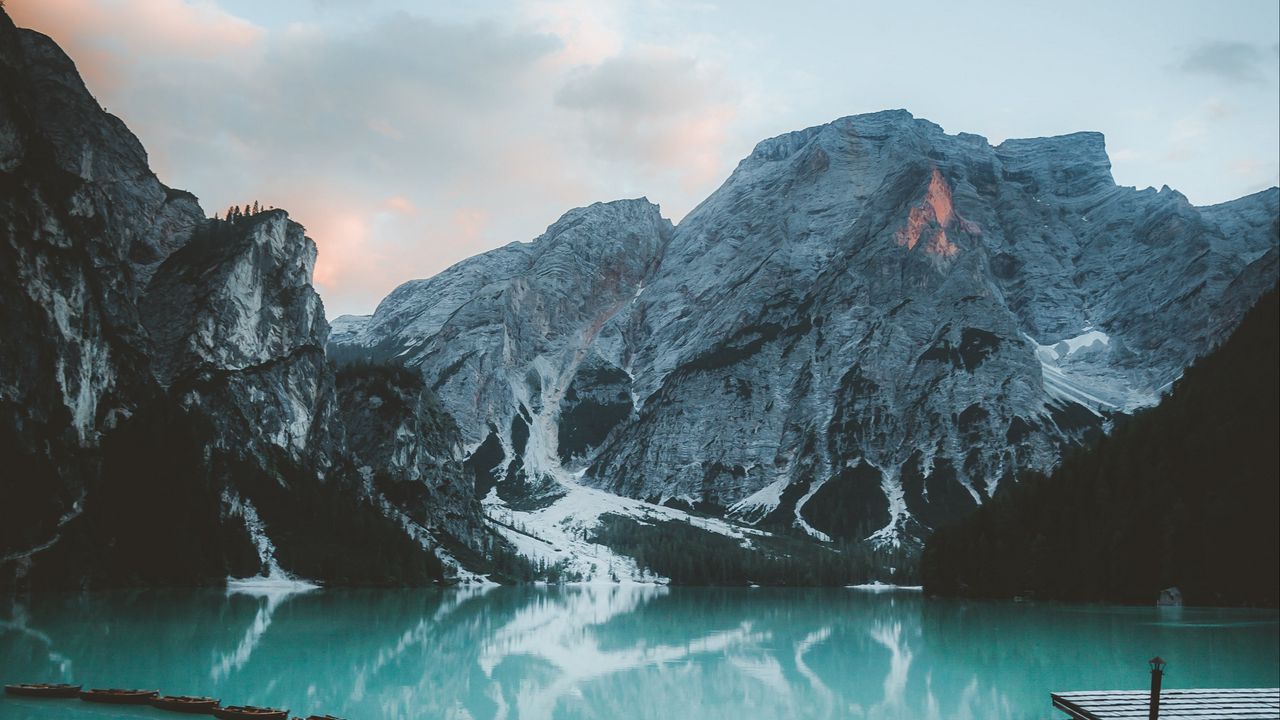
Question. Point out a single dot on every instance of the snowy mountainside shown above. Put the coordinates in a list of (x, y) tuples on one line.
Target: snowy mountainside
[(863, 333)]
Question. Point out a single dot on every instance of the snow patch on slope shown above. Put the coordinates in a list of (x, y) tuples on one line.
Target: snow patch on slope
[(1076, 370), (274, 579), (803, 524), (891, 534), (760, 503), (560, 533)]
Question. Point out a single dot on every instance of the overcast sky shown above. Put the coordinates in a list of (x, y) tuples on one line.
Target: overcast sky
[(409, 135)]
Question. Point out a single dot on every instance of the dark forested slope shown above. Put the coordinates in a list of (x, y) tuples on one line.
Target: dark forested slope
[(1182, 495)]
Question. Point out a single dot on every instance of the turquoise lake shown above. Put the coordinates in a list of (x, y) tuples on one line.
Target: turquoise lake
[(615, 652)]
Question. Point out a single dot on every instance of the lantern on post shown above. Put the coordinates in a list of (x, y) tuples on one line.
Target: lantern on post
[(1157, 674)]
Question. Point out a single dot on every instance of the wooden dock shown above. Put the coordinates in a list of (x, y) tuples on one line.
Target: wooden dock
[(1236, 704)]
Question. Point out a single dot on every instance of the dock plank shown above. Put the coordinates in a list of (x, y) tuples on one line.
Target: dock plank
[(1189, 704)]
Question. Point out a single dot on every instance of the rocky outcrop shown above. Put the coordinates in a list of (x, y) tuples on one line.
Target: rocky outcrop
[(239, 334), (167, 411), (501, 338), (408, 449), (865, 332), (85, 222)]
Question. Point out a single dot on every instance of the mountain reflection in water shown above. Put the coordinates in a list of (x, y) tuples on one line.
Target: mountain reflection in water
[(615, 651)]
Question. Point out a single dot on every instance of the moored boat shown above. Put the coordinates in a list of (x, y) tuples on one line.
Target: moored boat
[(185, 703), (118, 697), (43, 690), (249, 712), (323, 717)]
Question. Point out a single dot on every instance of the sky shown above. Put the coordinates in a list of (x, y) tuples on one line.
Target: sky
[(407, 136)]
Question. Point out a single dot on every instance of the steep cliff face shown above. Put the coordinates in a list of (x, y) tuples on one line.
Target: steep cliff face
[(408, 449), (502, 337), (85, 222), (167, 410), (864, 332), (905, 319), (239, 334)]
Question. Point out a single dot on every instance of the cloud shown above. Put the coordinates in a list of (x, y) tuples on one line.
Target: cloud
[(1192, 133), (1226, 60), (1251, 168), (400, 204), (403, 143), (589, 29), (1248, 175), (108, 39), (654, 108), (1124, 155), (1187, 134)]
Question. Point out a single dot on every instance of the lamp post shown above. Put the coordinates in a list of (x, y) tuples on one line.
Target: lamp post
[(1157, 674)]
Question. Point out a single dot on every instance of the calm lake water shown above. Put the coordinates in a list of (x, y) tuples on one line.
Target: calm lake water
[(615, 652)]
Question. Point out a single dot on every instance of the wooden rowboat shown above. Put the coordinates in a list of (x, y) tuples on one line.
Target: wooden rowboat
[(249, 712), (185, 703), (118, 697), (323, 717), (43, 690)]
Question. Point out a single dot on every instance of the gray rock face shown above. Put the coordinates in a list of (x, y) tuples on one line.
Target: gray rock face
[(85, 221), (502, 337), (407, 447), (167, 411), (866, 330), (239, 334)]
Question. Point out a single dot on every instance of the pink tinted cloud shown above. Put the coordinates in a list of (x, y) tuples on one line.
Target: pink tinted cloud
[(693, 145), (400, 204), (655, 108), (365, 250), (470, 222), (588, 30), (351, 258), (407, 145), (343, 240), (105, 39)]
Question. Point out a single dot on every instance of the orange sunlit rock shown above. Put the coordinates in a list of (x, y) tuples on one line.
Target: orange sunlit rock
[(939, 245), (939, 199), (931, 219)]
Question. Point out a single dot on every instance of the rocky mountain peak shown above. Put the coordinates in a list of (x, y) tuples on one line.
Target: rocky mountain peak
[(631, 210), (1069, 166), (870, 316), (238, 295)]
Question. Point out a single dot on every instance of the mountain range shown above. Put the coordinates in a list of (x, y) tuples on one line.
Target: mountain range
[(862, 334), (860, 337)]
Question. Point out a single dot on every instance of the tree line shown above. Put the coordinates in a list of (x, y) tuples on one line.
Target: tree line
[(1185, 495), (690, 555), (236, 213)]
